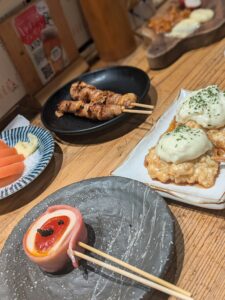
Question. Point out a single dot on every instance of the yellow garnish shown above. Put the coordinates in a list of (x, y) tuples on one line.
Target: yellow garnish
[(27, 148)]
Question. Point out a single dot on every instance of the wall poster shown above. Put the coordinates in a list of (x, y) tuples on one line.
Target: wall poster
[(39, 35)]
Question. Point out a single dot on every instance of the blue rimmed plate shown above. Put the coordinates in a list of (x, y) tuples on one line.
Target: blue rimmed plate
[(35, 163)]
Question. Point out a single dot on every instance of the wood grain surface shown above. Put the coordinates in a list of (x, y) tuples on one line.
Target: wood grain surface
[(163, 50), (200, 240)]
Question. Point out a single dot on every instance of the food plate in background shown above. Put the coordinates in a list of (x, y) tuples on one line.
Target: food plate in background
[(163, 50), (36, 162), (124, 218), (120, 79), (133, 167)]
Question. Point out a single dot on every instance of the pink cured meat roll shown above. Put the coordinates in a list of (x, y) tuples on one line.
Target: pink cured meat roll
[(52, 238)]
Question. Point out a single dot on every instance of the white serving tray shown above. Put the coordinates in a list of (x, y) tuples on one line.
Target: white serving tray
[(133, 167)]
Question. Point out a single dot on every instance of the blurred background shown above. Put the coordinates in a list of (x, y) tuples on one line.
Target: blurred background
[(42, 42)]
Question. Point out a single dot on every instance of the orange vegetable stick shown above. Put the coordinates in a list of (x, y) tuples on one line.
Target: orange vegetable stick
[(13, 169), (7, 152), (3, 145), (8, 180), (12, 159)]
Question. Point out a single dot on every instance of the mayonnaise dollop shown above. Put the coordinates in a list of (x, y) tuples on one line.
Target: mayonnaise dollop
[(202, 15), (205, 106), (183, 29), (183, 144)]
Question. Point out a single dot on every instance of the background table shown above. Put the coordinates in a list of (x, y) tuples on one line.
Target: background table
[(200, 234)]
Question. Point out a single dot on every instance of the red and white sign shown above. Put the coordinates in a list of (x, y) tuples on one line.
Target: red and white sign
[(39, 35), (30, 25)]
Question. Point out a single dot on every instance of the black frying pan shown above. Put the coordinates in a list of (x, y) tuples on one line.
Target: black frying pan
[(120, 79)]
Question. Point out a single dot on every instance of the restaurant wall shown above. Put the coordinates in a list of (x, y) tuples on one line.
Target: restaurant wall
[(11, 86)]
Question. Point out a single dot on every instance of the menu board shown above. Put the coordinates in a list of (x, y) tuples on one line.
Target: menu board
[(40, 37)]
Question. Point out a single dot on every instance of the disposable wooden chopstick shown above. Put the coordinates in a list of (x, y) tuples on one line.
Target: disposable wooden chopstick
[(134, 269), (137, 111), (143, 105), (132, 276)]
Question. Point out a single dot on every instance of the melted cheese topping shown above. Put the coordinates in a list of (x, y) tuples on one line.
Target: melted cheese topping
[(183, 144), (206, 107), (184, 28), (30, 243), (202, 15)]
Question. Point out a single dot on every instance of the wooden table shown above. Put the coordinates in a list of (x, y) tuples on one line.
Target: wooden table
[(200, 237)]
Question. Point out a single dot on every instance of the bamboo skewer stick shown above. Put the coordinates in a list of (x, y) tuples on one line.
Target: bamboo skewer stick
[(134, 269), (137, 111), (142, 105), (132, 276)]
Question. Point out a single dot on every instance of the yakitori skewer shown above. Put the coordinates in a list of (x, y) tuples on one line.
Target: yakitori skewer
[(137, 111), (136, 104), (133, 276), (95, 104), (90, 94), (94, 111)]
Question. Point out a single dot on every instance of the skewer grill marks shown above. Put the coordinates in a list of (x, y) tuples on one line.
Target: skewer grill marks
[(90, 94), (94, 111), (68, 106)]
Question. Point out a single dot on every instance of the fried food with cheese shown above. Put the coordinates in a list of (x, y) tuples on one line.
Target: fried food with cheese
[(202, 171), (216, 136)]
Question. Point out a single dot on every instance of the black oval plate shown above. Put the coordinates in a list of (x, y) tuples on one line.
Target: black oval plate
[(120, 79), (125, 218)]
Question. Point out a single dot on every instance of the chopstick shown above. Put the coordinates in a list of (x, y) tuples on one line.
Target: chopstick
[(143, 105), (132, 276), (134, 269), (137, 111)]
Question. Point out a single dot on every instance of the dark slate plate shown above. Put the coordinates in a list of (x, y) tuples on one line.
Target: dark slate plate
[(120, 79), (124, 217)]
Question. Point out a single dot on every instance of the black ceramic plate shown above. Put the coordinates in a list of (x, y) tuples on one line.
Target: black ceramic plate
[(121, 79), (124, 218)]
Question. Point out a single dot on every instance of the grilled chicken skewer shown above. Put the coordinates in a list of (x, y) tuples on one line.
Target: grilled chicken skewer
[(90, 94), (68, 106), (94, 111)]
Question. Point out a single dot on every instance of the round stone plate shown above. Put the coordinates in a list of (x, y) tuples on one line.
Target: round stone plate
[(125, 218)]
